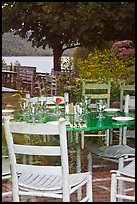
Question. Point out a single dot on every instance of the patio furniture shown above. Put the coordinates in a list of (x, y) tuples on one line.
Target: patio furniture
[(62, 79), (126, 132), (113, 152), (94, 90), (124, 90), (8, 90), (50, 85), (6, 67), (6, 174), (120, 180), (129, 105), (9, 78), (49, 100), (40, 83), (40, 180), (26, 77)]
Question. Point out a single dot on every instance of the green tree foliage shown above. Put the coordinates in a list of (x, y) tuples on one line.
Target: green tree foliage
[(64, 25)]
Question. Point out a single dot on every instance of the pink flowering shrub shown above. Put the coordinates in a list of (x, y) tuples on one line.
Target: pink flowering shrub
[(124, 49), (123, 43)]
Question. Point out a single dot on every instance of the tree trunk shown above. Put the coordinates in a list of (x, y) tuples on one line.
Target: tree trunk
[(57, 54)]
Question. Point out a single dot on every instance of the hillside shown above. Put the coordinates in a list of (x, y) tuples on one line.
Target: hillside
[(14, 45)]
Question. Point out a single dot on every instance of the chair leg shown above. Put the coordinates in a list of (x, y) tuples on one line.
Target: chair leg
[(89, 162), (120, 182), (79, 192), (82, 139), (107, 137), (113, 188), (120, 136), (90, 189)]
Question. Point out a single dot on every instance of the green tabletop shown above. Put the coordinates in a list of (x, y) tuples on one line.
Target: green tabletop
[(94, 124), (91, 122)]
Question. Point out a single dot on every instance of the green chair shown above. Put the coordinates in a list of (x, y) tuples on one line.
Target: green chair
[(93, 90)]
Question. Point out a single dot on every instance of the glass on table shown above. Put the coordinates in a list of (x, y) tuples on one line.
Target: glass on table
[(87, 104), (100, 106), (80, 114), (42, 102)]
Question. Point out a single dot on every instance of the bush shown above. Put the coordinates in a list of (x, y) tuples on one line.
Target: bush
[(106, 65)]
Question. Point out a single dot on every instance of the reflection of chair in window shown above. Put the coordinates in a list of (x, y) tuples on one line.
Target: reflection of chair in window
[(120, 180), (93, 90), (41, 180), (26, 77)]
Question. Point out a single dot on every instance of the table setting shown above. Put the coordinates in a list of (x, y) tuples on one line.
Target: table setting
[(81, 118)]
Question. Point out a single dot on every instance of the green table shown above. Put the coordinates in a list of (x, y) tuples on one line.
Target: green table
[(95, 124), (92, 123)]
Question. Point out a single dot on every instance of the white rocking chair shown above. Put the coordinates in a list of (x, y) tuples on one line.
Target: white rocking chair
[(42, 180), (119, 180)]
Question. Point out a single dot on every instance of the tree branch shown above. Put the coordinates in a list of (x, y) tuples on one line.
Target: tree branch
[(73, 46)]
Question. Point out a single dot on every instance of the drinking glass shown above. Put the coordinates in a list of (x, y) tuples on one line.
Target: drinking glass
[(42, 103), (100, 105), (80, 113), (87, 103)]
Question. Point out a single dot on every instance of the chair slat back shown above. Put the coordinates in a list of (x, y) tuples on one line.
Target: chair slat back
[(50, 170), (50, 85), (96, 90), (33, 128), (56, 128), (7, 67), (26, 73), (129, 103), (40, 150), (124, 90)]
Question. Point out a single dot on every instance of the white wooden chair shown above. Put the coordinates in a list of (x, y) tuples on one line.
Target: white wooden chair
[(94, 89), (124, 90), (43, 180), (6, 174), (129, 105), (120, 181), (48, 99)]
